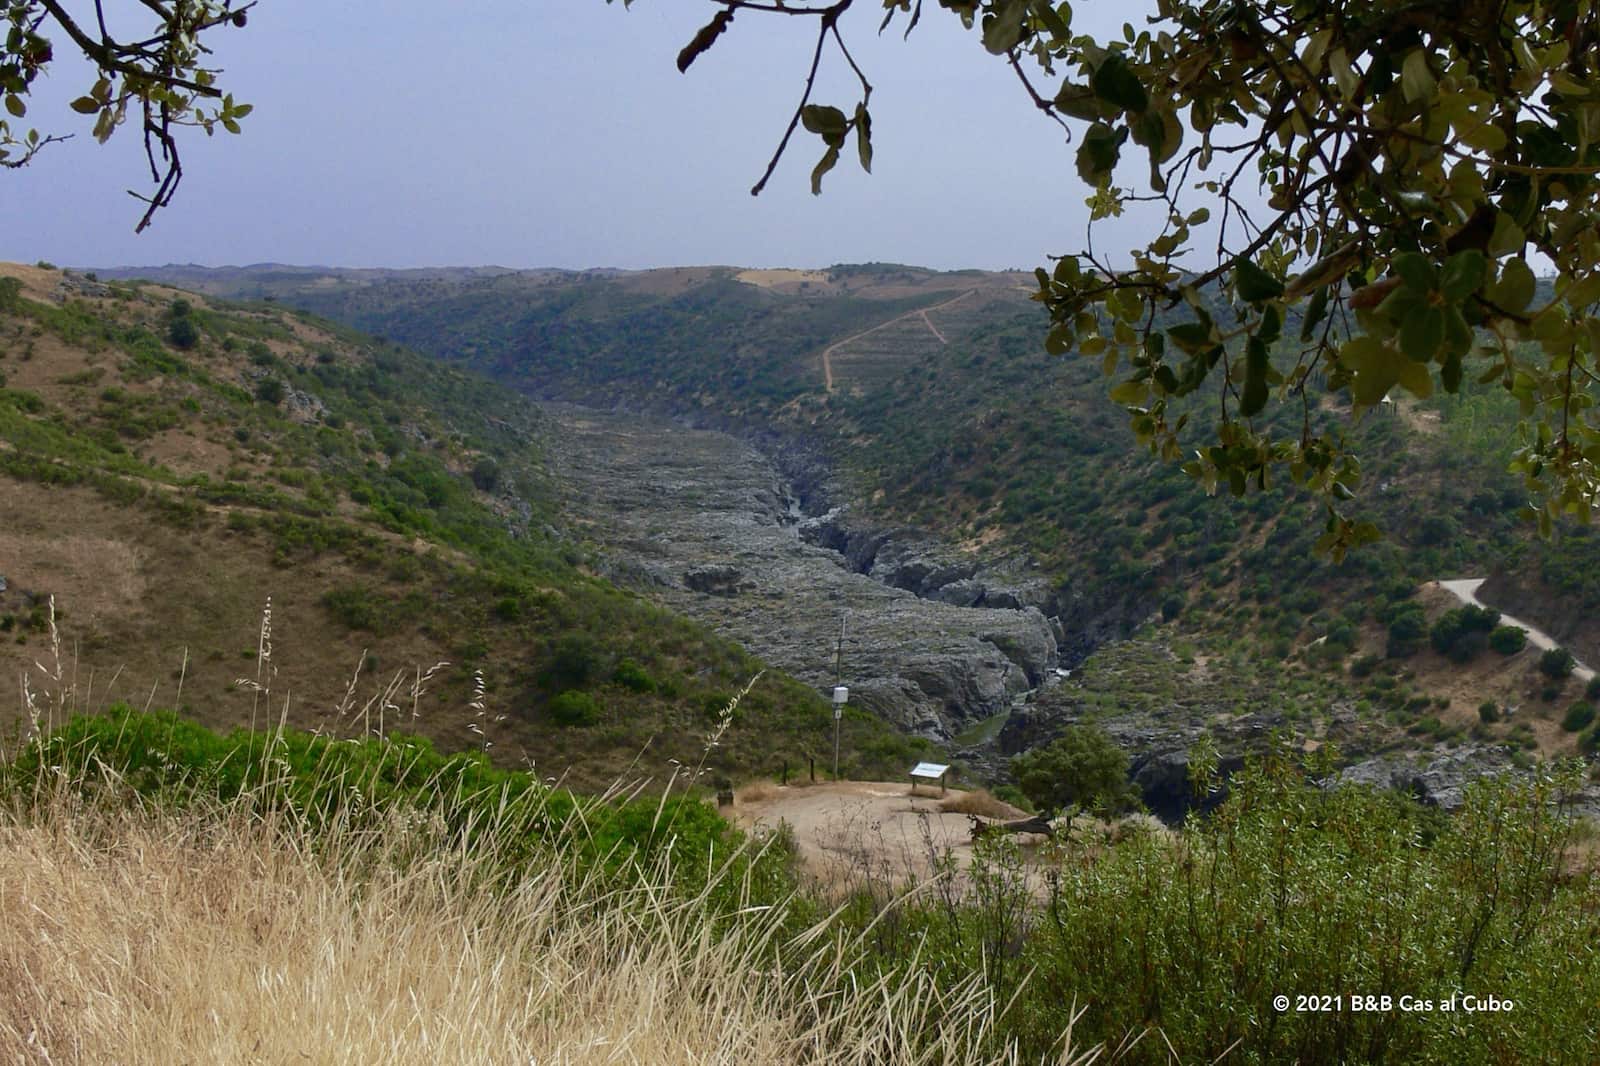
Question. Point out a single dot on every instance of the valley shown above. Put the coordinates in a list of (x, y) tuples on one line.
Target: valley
[(772, 453)]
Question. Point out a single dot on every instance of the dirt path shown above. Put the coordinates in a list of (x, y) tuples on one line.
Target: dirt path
[(827, 353), (850, 833), (1466, 590)]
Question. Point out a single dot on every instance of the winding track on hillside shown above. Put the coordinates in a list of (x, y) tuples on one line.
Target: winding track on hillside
[(1466, 590), (827, 353)]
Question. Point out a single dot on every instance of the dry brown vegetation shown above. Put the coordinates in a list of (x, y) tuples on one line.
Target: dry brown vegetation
[(213, 936), (981, 803)]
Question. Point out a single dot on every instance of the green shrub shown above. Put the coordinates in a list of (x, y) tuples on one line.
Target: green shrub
[(1578, 716), (182, 334), (1591, 691), (1084, 767), (1462, 633), (270, 391), (576, 659), (1556, 663), (1488, 712), (1508, 640), (574, 708), (486, 474), (631, 675), (1406, 630)]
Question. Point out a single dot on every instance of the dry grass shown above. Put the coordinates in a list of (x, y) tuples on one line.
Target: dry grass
[(136, 937), (981, 803)]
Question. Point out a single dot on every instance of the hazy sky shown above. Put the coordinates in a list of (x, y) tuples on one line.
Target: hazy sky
[(559, 133)]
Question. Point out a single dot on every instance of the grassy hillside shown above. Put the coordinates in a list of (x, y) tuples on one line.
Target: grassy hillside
[(252, 513), (933, 397)]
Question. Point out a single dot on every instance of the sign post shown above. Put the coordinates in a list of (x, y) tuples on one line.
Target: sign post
[(841, 696)]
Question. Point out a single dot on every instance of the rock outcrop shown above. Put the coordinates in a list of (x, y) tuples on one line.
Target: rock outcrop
[(705, 522)]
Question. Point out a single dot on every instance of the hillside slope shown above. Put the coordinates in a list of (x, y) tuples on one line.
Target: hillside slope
[(260, 515), (935, 408)]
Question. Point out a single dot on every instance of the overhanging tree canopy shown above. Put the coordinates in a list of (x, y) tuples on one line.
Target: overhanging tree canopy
[(1367, 186), (163, 76)]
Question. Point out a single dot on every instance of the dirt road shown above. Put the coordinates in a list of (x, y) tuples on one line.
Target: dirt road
[(1466, 590)]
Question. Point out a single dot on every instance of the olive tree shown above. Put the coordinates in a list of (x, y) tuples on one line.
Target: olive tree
[(1356, 196)]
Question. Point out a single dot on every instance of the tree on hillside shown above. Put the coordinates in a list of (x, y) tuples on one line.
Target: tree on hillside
[(161, 75), (1083, 768), (1356, 194)]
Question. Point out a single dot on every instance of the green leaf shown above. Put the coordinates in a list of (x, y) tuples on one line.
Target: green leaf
[(1414, 378), (864, 137), (1130, 392), (1271, 325), (1450, 372), (825, 164), (1485, 138), (1508, 238), (704, 38), (1256, 363), (1098, 152), (1115, 83), (1190, 336), (1253, 283), (1516, 288), (1421, 333), (15, 105), (1314, 314), (1416, 79), (1078, 101), (1004, 29), (1045, 12), (1415, 271), (1582, 293), (1462, 275), (1374, 366), (85, 105), (824, 120)]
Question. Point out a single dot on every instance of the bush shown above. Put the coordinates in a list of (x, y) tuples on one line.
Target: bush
[(1578, 717), (1591, 691), (182, 334), (575, 660), (1084, 767), (269, 391), (1556, 663), (1406, 630), (1488, 712), (1508, 640), (1172, 606), (574, 708), (1462, 633), (486, 474), (631, 675)]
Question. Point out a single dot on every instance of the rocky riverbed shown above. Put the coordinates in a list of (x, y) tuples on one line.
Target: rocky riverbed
[(705, 523)]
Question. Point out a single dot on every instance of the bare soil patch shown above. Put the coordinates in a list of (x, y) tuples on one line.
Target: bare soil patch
[(849, 831)]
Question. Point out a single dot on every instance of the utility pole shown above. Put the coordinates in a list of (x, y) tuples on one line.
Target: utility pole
[(840, 694)]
